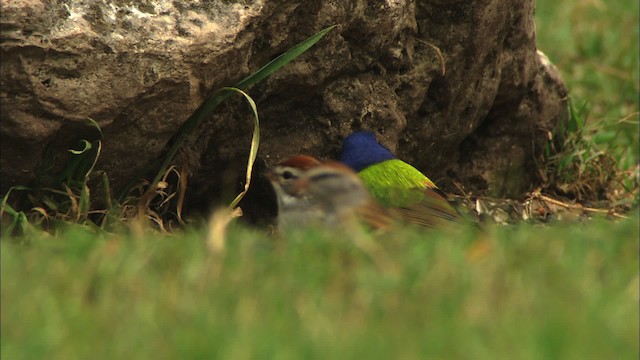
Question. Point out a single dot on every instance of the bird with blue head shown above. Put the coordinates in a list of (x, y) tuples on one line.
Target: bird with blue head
[(396, 184)]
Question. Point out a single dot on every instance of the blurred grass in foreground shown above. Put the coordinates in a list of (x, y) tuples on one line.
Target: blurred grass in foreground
[(526, 292)]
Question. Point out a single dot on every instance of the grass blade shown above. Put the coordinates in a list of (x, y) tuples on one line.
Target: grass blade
[(214, 100), (283, 59), (253, 152), (4, 206)]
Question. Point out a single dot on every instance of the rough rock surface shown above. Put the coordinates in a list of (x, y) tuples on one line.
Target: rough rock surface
[(457, 88)]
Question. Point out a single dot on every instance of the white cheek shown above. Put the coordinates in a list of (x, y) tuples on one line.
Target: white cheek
[(289, 200)]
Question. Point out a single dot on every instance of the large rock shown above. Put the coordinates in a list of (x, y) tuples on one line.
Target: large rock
[(455, 87)]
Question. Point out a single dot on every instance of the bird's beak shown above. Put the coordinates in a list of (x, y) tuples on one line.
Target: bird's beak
[(271, 175)]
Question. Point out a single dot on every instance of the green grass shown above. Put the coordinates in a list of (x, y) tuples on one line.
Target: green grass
[(594, 43), (527, 292)]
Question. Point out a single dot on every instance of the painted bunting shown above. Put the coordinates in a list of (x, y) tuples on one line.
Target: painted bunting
[(396, 184)]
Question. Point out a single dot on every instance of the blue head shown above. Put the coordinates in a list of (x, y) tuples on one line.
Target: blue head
[(361, 149)]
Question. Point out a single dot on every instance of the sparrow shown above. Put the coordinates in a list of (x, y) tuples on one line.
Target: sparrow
[(325, 193), (294, 208)]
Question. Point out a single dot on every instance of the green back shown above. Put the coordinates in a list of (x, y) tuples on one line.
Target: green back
[(393, 183)]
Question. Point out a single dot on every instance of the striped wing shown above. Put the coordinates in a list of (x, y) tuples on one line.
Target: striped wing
[(433, 210)]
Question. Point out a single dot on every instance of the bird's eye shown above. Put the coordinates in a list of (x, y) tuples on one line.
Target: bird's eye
[(287, 175)]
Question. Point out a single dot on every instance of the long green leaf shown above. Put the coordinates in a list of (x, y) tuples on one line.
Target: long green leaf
[(96, 125), (19, 219), (213, 101), (253, 151), (85, 146), (4, 206), (283, 59), (78, 168)]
